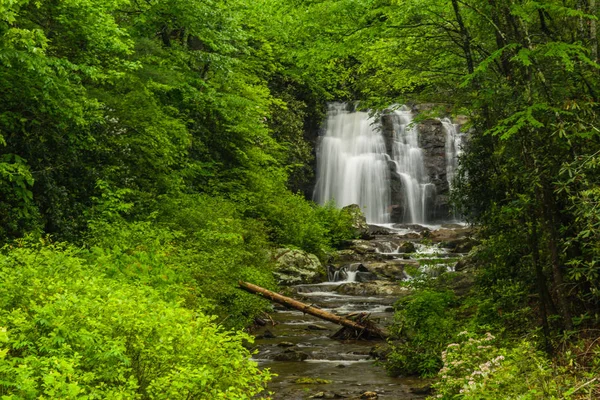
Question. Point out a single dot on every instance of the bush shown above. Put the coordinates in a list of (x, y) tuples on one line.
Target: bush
[(476, 368), (425, 323), (70, 332), (294, 222)]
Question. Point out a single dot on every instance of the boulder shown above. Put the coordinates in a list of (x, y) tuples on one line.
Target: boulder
[(446, 235), (363, 246), (376, 230), (411, 227), (390, 270), (374, 288), (407, 247), (294, 267), (291, 355), (359, 222)]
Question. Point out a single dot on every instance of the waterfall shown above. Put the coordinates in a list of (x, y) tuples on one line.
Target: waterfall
[(408, 157), (453, 149), (352, 164), (380, 164)]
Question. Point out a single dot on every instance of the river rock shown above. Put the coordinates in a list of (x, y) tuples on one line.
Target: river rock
[(412, 227), (345, 256), (294, 267), (374, 288), (359, 222), (369, 395), (376, 230), (363, 246), (463, 245), (291, 355), (445, 235), (390, 270), (315, 327), (380, 351), (407, 247), (285, 344)]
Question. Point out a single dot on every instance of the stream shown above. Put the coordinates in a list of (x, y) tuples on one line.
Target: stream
[(298, 348)]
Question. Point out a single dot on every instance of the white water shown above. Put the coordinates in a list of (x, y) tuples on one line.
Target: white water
[(352, 164), (453, 149), (408, 157)]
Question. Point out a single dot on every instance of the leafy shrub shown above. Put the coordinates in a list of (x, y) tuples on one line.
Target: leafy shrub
[(71, 332), (476, 368), (292, 221), (425, 323), (196, 248)]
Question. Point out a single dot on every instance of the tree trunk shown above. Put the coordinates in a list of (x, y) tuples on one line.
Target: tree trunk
[(593, 32), (466, 37), (370, 331)]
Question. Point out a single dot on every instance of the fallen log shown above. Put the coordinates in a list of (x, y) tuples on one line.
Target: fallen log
[(359, 330)]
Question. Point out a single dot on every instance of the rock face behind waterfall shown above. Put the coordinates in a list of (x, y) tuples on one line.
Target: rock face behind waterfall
[(432, 139)]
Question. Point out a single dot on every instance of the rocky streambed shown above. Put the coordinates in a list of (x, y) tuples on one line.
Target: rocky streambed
[(365, 278)]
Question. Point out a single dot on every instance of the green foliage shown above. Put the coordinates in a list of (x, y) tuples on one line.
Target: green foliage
[(297, 223), (425, 323), (72, 332), (476, 368)]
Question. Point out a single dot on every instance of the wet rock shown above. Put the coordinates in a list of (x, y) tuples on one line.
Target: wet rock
[(285, 344), (465, 245), (452, 226), (315, 327), (359, 222), (369, 395), (426, 390), (295, 267), (380, 351), (390, 270), (326, 395), (345, 256), (410, 235), (259, 322), (375, 230), (267, 334), (365, 277), (413, 227), (407, 247), (291, 355), (374, 288), (446, 235), (363, 246)]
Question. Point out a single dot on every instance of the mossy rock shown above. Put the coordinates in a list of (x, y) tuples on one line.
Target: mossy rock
[(295, 267)]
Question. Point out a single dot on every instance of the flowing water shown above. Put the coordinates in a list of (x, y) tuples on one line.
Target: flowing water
[(408, 157), (297, 346), (352, 164), (356, 161)]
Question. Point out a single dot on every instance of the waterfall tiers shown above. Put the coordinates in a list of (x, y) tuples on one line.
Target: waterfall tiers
[(394, 169)]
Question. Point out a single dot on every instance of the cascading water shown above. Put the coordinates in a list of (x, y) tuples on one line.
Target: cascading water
[(379, 164), (408, 157), (352, 164), (453, 148)]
